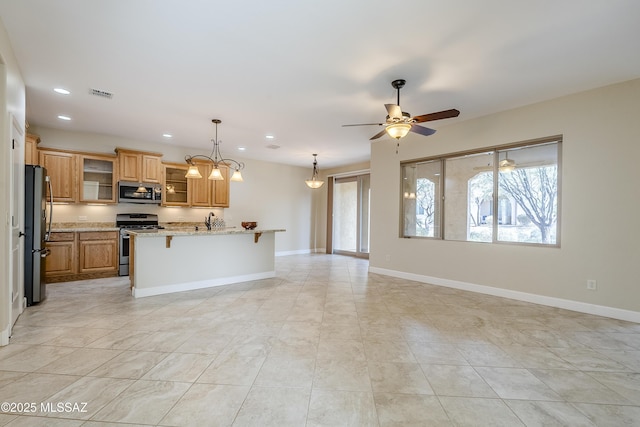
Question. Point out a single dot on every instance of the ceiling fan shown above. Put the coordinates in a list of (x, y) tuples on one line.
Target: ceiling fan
[(399, 123)]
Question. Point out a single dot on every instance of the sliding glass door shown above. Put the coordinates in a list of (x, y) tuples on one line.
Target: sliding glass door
[(351, 215)]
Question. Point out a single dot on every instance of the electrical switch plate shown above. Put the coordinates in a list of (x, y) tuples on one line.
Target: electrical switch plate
[(592, 285)]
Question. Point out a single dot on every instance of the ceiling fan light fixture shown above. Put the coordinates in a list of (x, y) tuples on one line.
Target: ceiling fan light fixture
[(314, 182), (398, 130), (507, 165)]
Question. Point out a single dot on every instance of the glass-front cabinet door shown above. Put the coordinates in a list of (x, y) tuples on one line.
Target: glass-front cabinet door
[(98, 184), (175, 186)]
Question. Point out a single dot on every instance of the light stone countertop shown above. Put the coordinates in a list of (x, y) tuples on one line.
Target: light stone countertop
[(202, 231), (67, 227)]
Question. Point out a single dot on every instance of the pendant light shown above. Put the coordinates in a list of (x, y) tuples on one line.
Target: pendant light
[(314, 182), (216, 158)]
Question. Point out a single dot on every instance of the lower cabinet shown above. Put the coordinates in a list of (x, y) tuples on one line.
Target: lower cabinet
[(98, 251), (62, 256), (81, 255)]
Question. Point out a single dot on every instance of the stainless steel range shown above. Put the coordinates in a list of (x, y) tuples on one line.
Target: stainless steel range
[(132, 221)]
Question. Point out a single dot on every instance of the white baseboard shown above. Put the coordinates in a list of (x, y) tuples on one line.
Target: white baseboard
[(4, 336), (201, 284), (581, 307)]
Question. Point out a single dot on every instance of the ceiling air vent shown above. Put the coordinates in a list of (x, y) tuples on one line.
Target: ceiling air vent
[(101, 93), (273, 146)]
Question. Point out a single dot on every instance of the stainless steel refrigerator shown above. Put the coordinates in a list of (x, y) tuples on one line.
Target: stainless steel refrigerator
[(37, 229)]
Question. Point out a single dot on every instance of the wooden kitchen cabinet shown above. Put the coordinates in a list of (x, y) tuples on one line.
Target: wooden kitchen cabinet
[(196, 192), (81, 255), (176, 186), (151, 168), (201, 194), (62, 168), (61, 260), (207, 193), (98, 178), (31, 149), (139, 166), (221, 189), (98, 251)]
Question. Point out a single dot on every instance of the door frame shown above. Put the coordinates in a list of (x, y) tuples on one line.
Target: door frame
[(16, 209), (355, 175)]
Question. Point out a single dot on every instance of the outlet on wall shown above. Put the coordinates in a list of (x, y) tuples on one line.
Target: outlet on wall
[(592, 285), (82, 218), (387, 257)]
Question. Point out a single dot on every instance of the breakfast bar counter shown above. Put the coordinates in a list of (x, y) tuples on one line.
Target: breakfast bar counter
[(175, 260)]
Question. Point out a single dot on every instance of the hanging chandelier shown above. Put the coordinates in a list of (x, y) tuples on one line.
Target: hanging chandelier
[(314, 182), (216, 158)]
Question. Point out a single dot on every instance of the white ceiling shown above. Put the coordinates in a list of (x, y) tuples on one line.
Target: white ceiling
[(301, 69)]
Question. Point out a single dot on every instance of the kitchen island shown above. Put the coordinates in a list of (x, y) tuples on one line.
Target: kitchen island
[(166, 261)]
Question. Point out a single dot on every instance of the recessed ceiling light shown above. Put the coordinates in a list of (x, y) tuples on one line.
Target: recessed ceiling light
[(61, 91), (242, 148), (64, 118), (269, 136), (167, 135)]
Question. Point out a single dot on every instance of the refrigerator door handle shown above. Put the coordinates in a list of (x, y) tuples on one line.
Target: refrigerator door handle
[(44, 252), (47, 236)]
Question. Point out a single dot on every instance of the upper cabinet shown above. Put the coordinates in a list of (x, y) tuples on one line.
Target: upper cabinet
[(208, 193), (93, 178), (61, 168), (221, 189), (176, 186), (199, 192), (80, 177), (31, 149), (139, 166), (98, 178)]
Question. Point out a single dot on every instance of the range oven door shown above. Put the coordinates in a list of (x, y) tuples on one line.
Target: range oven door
[(124, 253)]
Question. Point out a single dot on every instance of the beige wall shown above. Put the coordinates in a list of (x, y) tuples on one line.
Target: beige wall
[(599, 212), (272, 194)]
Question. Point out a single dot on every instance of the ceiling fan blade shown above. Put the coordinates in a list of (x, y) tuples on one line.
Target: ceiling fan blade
[(378, 135), (393, 110), (446, 114), (422, 130), (365, 124)]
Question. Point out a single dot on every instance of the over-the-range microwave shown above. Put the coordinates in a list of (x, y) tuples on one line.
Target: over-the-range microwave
[(136, 192)]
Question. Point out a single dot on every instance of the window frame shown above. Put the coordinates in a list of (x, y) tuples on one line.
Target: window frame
[(495, 150)]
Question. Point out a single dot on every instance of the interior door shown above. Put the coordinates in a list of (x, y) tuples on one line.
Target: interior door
[(350, 227), (17, 219)]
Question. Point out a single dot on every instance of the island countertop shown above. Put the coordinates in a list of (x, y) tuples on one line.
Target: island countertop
[(202, 231)]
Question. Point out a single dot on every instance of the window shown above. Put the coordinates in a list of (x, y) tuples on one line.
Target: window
[(421, 198), (509, 194)]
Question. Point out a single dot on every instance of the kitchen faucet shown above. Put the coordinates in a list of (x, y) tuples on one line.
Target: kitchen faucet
[(207, 220)]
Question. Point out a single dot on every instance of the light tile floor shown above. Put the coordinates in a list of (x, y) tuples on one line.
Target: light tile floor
[(322, 344)]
